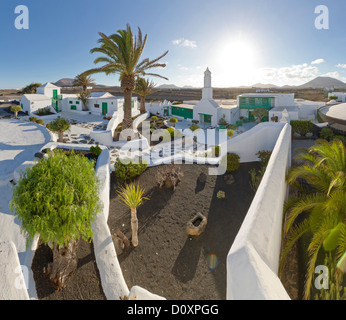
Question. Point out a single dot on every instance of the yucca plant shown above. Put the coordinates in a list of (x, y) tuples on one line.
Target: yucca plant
[(323, 199), (132, 196), (121, 54)]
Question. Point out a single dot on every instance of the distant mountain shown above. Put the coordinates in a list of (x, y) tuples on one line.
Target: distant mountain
[(323, 82), (264, 86), (65, 82), (168, 86)]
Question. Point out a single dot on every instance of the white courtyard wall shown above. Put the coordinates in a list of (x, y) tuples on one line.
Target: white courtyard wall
[(253, 261)]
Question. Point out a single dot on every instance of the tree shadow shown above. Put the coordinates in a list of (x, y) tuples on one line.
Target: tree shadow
[(185, 265), (200, 183)]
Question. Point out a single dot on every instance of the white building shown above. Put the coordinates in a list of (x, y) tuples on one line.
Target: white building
[(207, 111), (99, 103), (31, 103), (341, 96), (49, 95)]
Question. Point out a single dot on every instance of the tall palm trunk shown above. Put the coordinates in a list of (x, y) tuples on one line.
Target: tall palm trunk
[(142, 108), (128, 84), (134, 227)]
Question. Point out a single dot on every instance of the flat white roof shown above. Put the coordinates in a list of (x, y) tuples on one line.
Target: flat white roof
[(36, 97)]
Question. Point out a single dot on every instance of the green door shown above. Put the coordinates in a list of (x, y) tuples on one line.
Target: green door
[(104, 108), (207, 118), (55, 93)]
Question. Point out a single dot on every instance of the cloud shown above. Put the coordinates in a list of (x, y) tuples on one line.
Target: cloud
[(292, 75), (342, 66), (318, 61), (185, 43)]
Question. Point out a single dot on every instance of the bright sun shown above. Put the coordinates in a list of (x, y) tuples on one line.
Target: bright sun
[(236, 62)]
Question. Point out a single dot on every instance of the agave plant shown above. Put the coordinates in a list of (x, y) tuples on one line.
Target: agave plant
[(324, 199), (132, 196)]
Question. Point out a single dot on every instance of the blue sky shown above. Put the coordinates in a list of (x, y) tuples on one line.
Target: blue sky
[(242, 42)]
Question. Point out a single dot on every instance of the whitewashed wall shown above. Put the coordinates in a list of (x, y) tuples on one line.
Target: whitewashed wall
[(253, 260), (262, 137)]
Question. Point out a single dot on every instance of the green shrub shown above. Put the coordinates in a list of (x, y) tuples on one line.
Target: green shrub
[(57, 198), (232, 162), (264, 157), (171, 132), (230, 133), (43, 111), (216, 151), (194, 127), (33, 119), (341, 138), (128, 170), (173, 120), (301, 127), (154, 118), (40, 121), (96, 150), (221, 195), (327, 134)]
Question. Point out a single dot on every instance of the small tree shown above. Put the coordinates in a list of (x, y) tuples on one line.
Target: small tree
[(59, 125), (260, 113), (15, 109), (132, 196), (173, 120), (230, 133), (58, 199), (84, 97)]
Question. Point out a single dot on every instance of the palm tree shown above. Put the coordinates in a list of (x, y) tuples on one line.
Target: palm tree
[(144, 88), (132, 196), (84, 81), (121, 54), (323, 199)]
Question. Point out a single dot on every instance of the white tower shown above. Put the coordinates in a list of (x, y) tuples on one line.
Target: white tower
[(207, 91)]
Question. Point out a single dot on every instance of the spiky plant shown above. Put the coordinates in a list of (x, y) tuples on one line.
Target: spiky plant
[(132, 196), (324, 201), (122, 52)]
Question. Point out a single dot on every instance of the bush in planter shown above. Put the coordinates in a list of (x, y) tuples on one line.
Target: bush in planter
[(301, 127), (327, 134), (231, 162), (33, 119), (40, 121), (127, 170), (173, 120), (194, 127), (58, 199), (96, 150), (264, 157)]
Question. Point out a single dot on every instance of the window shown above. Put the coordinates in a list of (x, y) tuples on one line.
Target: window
[(70, 102), (77, 102), (96, 105)]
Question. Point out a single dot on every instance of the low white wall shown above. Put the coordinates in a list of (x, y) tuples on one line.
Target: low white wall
[(261, 137), (253, 260), (12, 284)]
